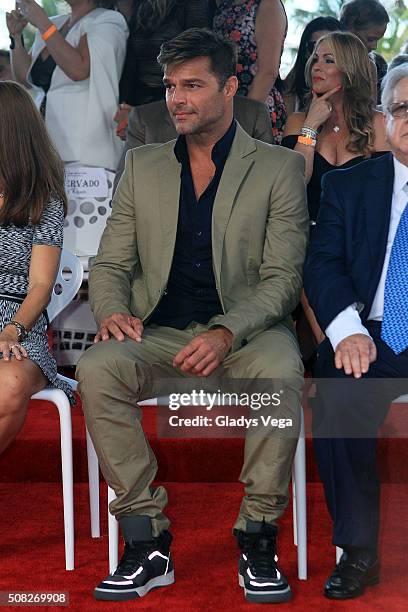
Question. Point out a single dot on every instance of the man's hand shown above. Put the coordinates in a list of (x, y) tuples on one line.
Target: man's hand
[(118, 325), (205, 352), (354, 354)]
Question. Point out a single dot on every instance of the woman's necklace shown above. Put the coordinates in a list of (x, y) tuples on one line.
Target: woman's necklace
[(336, 128)]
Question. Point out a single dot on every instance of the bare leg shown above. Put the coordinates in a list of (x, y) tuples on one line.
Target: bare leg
[(19, 380)]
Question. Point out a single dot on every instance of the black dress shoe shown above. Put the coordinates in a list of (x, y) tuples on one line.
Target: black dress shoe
[(353, 573)]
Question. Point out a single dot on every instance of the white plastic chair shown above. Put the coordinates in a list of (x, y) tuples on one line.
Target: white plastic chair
[(85, 221), (299, 507), (66, 286)]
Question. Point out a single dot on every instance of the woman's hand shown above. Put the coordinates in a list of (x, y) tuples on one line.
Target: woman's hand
[(34, 14), (9, 345), (15, 23), (320, 109), (121, 118)]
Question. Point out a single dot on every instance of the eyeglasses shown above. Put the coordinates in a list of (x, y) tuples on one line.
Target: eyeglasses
[(398, 110)]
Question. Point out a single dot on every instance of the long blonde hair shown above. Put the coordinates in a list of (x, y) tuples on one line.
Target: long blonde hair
[(351, 59)]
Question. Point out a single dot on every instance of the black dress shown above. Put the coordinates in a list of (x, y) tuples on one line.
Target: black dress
[(320, 167), (16, 244)]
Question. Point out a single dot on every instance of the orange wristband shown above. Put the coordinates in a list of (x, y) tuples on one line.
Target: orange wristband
[(48, 33), (305, 140)]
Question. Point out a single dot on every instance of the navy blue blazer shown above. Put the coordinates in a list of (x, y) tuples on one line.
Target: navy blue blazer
[(346, 253)]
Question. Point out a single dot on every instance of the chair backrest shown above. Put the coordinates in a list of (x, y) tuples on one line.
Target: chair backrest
[(86, 219), (67, 283)]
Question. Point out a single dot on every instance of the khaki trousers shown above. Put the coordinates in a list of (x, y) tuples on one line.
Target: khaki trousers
[(113, 376)]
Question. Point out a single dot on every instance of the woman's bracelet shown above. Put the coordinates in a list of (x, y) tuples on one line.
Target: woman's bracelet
[(13, 41), (48, 33), (309, 132), (306, 140), (21, 329)]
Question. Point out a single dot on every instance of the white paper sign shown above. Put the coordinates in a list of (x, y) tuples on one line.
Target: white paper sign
[(86, 182)]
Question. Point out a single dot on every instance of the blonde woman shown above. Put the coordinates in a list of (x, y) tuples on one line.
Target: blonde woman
[(340, 126)]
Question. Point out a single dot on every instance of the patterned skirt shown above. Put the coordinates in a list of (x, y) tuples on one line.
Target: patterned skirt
[(36, 345)]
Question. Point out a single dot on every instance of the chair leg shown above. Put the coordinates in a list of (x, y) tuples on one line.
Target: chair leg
[(93, 479), (64, 410), (113, 534), (299, 478), (295, 541)]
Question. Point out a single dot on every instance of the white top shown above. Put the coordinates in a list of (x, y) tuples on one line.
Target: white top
[(348, 321), (79, 114)]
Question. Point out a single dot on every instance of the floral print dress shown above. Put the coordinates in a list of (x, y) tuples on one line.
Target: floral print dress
[(237, 22)]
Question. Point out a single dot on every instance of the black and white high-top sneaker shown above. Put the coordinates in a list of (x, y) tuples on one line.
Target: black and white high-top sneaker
[(258, 571), (144, 565)]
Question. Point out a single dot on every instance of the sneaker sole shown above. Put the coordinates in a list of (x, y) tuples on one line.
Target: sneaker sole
[(265, 597), (136, 592)]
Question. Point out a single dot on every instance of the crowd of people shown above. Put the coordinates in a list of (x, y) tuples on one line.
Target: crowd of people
[(199, 272), (89, 68)]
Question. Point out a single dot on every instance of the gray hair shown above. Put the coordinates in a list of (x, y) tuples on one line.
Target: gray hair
[(398, 60), (391, 80)]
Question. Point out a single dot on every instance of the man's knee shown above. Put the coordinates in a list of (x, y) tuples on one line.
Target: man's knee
[(104, 367), (287, 366), (92, 363), (100, 360)]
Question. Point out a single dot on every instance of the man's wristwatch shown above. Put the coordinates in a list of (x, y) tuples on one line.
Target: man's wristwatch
[(21, 330)]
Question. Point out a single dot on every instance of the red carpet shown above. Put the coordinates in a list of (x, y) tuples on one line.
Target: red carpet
[(205, 553), (203, 511), (181, 460)]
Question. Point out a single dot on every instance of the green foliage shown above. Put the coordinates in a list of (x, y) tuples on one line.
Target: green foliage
[(397, 32), (326, 8)]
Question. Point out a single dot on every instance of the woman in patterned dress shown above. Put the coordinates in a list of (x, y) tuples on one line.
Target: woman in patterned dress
[(258, 27), (32, 206)]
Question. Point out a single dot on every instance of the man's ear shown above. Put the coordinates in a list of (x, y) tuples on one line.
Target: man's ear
[(231, 86)]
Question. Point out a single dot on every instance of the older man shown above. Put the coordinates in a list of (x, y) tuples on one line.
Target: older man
[(356, 281), (197, 273)]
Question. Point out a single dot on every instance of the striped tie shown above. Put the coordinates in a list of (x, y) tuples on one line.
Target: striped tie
[(394, 329)]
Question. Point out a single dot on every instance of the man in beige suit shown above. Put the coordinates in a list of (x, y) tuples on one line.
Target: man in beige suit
[(151, 123), (198, 270)]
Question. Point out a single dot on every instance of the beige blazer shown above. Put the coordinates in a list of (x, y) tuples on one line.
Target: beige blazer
[(151, 123), (259, 235)]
